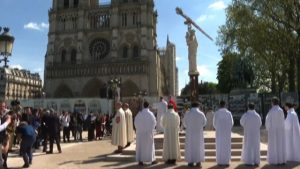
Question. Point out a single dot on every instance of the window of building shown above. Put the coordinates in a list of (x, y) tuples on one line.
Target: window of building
[(134, 18), (135, 52), (124, 19), (73, 56), (125, 52), (63, 56), (76, 2), (66, 4)]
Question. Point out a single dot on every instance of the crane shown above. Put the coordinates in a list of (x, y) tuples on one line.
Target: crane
[(189, 22)]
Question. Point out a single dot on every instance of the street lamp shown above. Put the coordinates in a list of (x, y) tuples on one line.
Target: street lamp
[(6, 45), (142, 94), (114, 85)]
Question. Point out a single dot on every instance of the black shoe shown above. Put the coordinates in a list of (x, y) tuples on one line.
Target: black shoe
[(49, 152), (168, 162), (25, 166), (199, 165), (190, 164), (5, 165), (173, 162), (141, 163), (154, 162)]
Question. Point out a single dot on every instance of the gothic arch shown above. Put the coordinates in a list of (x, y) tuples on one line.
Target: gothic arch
[(63, 91), (92, 88), (128, 88)]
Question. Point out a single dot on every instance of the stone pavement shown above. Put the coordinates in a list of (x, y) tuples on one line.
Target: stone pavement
[(98, 154)]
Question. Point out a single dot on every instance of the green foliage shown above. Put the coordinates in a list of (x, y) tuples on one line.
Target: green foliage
[(264, 36), (203, 88)]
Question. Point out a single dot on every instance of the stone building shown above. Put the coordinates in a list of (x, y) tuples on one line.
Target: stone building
[(19, 84), (91, 42)]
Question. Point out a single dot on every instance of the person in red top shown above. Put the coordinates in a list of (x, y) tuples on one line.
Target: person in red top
[(172, 102)]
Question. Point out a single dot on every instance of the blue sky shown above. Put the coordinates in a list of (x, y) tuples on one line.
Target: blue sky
[(28, 23)]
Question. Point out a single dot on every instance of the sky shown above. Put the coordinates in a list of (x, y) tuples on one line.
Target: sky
[(28, 23)]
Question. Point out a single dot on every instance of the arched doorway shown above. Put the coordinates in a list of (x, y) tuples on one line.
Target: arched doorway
[(92, 88), (128, 88), (63, 91)]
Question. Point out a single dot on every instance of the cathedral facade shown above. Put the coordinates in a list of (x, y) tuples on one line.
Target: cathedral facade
[(91, 42)]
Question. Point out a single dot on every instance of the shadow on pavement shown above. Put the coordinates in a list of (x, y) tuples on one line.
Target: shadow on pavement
[(218, 167)]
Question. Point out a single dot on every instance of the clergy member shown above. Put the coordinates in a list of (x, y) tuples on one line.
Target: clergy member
[(119, 136), (129, 124), (276, 133), (223, 123), (194, 122), (171, 147), (161, 110), (251, 123), (292, 134), (145, 123)]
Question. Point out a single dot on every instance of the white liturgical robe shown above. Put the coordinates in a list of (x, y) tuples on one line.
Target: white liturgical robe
[(223, 123), (276, 136), (129, 125), (251, 123), (292, 136), (194, 122), (145, 124), (162, 108), (119, 135), (170, 123)]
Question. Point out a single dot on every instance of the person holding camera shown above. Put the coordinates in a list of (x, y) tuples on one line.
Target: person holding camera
[(5, 120)]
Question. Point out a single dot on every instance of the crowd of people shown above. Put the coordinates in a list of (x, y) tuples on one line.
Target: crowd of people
[(283, 133), (30, 129)]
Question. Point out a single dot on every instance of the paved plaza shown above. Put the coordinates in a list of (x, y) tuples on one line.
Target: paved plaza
[(99, 154)]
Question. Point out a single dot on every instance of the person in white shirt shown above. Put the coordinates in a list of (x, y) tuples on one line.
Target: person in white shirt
[(276, 134), (66, 126), (223, 123), (251, 123), (292, 134)]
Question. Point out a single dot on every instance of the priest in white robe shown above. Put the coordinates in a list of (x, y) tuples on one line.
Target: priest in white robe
[(161, 110), (171, 147), (145, 124), (223, 123), (292, 134), (276, 134), (119, 134), (129, 124), (194, 122), (251, 122)]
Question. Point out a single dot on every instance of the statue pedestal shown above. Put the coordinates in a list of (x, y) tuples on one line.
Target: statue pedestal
[(194, 86)]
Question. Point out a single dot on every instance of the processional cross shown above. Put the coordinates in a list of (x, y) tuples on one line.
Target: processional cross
[(192, 43)]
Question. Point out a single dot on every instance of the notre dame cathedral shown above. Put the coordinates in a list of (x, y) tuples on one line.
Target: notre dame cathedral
[(91, 42)]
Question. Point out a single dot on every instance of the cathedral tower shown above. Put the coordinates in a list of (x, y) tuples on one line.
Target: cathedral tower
[(91, 42)]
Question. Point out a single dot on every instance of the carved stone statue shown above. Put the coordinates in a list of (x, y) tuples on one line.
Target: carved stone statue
[(192, 43)]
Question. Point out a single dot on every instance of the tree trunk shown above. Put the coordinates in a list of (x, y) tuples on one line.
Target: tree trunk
[(273, 81), (291, 74)]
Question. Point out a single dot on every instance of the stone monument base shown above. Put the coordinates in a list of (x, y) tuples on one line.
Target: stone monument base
[(194, 86)]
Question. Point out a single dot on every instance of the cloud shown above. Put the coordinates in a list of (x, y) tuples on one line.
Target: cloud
[(36, 26), (205, 72), (218, 5), (203, 18), (16, 66), (178, 58)]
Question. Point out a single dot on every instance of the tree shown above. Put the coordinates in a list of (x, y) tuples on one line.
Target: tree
[(203, 88), (267, 34)]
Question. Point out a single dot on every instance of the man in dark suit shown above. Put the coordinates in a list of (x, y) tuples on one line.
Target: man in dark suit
[(54, 131)]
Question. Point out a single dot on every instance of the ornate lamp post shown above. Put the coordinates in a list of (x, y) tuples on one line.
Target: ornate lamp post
[(142, 94), (6, 45), (114, 85)]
